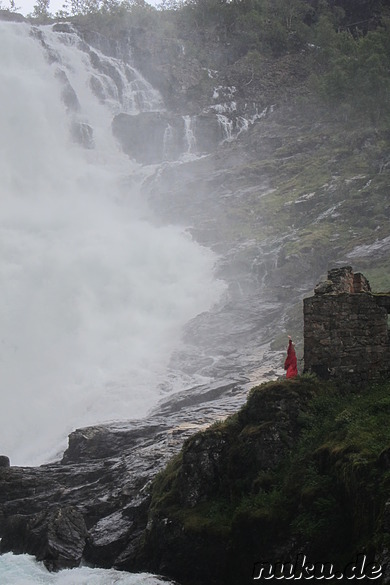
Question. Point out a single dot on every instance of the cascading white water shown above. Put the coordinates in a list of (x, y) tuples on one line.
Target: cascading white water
[(23, 570), (189, 134), (93, 296)]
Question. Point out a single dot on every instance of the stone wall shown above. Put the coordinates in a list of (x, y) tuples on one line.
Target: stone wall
[(346, 331)]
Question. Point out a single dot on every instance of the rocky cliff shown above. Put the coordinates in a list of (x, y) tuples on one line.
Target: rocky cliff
[(290, 476), (93, 504), (302, 469)]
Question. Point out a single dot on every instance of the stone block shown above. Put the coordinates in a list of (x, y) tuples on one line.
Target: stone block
[(360, 283)]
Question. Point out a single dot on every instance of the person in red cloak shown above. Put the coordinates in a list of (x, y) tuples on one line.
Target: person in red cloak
[(290, 363)]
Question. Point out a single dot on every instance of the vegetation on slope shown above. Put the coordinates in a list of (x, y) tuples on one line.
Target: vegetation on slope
[(326, 65), (302, 467), (345, 45)]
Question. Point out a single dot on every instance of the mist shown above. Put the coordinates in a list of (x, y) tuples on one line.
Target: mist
[(94, 296)]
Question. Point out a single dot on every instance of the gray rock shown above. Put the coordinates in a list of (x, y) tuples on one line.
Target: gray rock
[(150, 137), (68, 94), (4, 461), (56, 536), (63, 27), (323, 288), (82, 133)]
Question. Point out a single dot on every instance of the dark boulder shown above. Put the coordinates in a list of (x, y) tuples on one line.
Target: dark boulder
[(154, 137), (68, 94), (56, 536), (63, 27), (82, 134), (4, 461), (202, 467)]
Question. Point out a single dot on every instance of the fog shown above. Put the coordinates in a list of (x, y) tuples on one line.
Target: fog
[(93, 296)]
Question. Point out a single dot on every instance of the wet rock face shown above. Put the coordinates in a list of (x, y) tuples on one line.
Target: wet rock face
[(154, 137), (56, 536), (150, 137), (202, 468), (82, 134), (68, 94), (94, 504), (166, 66), (208, 132)]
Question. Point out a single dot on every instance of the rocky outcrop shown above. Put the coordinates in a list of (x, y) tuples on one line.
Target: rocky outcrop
[(215, 467), (56, 536), (150, 137), (257, 487), (94, 503), (155, 137), (68, 94)]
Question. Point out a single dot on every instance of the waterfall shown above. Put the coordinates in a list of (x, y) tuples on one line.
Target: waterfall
[(93, 296), (189, 134), (168, 142), (226, 125)]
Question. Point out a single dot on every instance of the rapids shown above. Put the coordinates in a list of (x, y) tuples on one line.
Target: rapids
[(23, 570)]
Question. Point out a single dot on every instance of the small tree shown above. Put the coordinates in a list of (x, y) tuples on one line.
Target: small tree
[(41, 9), (12, 6), (75, 7)]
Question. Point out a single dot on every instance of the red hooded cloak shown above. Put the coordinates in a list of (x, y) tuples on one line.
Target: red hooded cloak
[(290, 363)]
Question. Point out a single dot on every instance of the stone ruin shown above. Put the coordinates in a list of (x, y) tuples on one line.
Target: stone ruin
[(346, 331)]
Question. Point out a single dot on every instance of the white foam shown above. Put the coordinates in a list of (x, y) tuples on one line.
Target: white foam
[(93, 297), (24, 570)]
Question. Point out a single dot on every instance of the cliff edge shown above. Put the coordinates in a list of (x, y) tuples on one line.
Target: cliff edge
[(301, 471)]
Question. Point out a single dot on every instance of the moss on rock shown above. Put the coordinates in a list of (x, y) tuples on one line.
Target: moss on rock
[(302, 467)]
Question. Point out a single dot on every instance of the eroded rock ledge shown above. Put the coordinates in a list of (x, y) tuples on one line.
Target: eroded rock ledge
[(93, 504), (290, 473)]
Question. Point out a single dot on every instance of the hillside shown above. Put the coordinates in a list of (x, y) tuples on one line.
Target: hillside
[(288, 106)]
